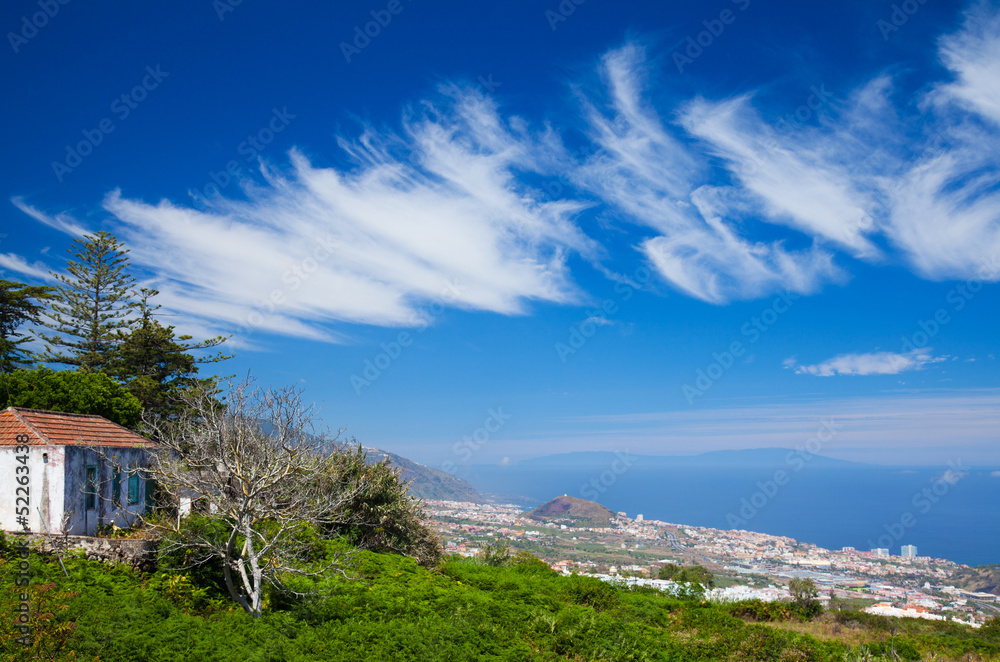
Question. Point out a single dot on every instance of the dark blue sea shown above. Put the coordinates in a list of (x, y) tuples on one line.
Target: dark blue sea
[(950, 512)]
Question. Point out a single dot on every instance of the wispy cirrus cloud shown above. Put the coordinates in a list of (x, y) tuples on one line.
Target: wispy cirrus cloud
[(945, 210), (925, 183), (36, 270), (972, 54), (872, 363), (62, 222), (435, 211), (647, 174), (800, 177), (729, 204)]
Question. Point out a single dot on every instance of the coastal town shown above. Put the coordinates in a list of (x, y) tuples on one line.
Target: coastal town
[(746, 564)]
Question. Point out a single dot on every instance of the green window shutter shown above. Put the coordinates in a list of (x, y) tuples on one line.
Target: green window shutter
[(133, 489)]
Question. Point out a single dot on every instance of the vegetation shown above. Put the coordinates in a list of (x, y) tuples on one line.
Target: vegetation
[(982, 578), (693, 574), (378, 513), (70, 391), (265, 482), (156, 365), (572, 511), (91, 304), (102, 325), (398, 610), (804, 594), (19, 304)]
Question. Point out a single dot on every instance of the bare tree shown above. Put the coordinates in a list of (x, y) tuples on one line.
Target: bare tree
[(265, 478)]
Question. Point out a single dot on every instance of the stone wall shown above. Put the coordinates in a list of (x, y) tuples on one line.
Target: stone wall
[(139, 554)]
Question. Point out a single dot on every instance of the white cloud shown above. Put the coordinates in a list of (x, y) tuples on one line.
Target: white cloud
[(927, 181), (19, 265), (647, 174), (874, 363), (973, 55), (435, 215), (62, 222), (794, 174)]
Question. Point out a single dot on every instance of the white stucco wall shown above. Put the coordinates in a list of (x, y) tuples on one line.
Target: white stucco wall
[(45, 485)]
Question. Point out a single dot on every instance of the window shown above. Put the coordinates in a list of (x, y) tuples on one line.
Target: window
[(116, 488), (133, 489), (91, 488)]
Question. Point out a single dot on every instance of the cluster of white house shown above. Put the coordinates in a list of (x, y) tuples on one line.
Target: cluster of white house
[(69, 473)]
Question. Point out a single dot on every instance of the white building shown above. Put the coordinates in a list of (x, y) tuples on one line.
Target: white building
[(908, 551), (57, 475)]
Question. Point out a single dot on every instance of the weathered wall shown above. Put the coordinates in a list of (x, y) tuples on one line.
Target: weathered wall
[(139, 554), (84, 521), (45, 487)]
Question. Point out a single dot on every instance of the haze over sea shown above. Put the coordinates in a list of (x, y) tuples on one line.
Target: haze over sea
[(947, 512)]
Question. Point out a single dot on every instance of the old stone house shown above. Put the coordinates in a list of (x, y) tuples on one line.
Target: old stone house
[(71, 472)]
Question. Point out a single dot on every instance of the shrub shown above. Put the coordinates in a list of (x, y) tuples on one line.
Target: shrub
[(760, 611), (496, 554), (695, 574), (591, 592), (864, 620), (381, 516)]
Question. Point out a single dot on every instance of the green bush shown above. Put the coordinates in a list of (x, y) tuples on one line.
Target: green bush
[(862, 619), (760, 611), (591, 592), (380, 516), (695, 574)]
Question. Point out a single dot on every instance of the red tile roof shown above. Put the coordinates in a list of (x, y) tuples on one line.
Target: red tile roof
[(56, 428)]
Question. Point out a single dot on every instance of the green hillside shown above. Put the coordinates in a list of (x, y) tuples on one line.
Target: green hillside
[(428, 483), (396, 610)]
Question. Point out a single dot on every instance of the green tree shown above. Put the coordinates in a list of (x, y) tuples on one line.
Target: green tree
[(19, 303), (668, 571), (695, 574), (380, 515), (804, 593), (91, 304), (70, 391), (156, 365)]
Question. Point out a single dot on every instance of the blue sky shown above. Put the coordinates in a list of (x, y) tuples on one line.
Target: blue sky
[(541, 227)]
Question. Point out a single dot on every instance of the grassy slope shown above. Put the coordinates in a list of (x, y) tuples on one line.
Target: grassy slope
[(400, 611)]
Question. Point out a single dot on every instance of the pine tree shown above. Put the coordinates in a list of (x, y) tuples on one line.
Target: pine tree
[(19, 303), (91, 305), (155, 365)]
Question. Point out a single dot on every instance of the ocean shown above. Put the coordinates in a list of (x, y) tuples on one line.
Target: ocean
[(950, 512)]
